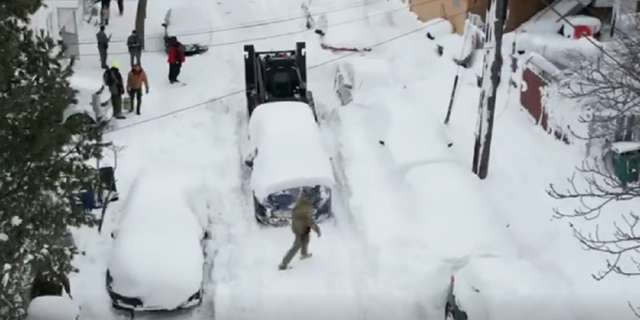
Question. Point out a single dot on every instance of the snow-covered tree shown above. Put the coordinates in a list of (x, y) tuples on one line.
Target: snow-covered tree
[(609, 90), (43, 163)]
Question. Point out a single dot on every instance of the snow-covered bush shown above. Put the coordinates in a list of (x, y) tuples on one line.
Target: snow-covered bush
[(53, 308)]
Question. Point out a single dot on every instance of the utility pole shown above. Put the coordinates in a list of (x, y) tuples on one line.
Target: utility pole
[(141, 16), (495, 22)]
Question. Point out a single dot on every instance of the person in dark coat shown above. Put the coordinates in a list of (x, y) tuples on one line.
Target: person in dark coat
[(113, 80), (176, 59), (303, 221), (105, 12), (121, 6), (103, 46), (134, 44)]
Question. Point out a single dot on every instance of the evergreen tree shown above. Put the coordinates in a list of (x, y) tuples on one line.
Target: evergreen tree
[(43, 163)]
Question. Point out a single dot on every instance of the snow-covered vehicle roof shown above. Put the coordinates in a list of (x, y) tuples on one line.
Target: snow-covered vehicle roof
[(86, 87), (157, 255), (190, 23), (53, 308), (506, 289), (458, 212), (290, 149)]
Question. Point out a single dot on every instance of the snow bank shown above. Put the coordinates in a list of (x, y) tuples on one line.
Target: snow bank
[(53, 308), (367, 75), (290, 149), (156, 254), (457, 212), (508, 289), (456, 47), (414, 138), (86, 87), (438, 27)]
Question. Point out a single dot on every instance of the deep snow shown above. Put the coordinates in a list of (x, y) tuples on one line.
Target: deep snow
[(408, 212)]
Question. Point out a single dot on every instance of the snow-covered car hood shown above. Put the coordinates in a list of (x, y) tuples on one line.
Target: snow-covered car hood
[(157, 254), (290, 149), (506, 289), (191, 25)]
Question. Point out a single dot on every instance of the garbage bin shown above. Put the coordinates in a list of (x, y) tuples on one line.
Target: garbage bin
[(626, 160)]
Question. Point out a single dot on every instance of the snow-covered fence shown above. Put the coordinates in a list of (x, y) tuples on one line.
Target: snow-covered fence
[(537, 74), (60, 20)]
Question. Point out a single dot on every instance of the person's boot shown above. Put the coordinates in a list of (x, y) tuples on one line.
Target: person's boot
[(306, 256), (282, 267)]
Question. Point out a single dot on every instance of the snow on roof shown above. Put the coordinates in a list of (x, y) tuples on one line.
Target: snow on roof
[(457, 211), (625, 146), (501, 282), (414, 137), (156, 254), (291, 152), (53, 308), (548, 20)]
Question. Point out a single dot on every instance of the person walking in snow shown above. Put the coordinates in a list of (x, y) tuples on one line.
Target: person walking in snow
[(136, 78), (176, 59), (103, 46), (113, 80), (134, 44), (121, 6), (105, 12), (303, 221)]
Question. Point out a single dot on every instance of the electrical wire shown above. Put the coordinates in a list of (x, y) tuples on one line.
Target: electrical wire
[(164, 115), (264, 23), (254, 24), (257, 23)]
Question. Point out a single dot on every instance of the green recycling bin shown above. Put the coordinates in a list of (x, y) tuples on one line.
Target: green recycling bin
[(626, 160)]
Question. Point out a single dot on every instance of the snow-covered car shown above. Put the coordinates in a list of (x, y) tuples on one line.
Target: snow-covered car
[(495, 288), (286, 154), (157, 257), (53, 308), (190, 25), (93, 104)]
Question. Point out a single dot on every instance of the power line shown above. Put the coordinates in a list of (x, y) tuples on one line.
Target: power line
[(254, 24), (261, 24), (164, 115)]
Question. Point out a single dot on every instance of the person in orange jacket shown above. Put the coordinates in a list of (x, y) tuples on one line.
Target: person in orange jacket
[(136, 78)]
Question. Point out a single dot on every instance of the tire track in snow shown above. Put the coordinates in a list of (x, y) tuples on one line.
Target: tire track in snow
[(366, 263)]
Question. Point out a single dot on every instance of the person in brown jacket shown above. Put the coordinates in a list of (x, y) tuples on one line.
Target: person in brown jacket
[(136, 78), (302, 223)]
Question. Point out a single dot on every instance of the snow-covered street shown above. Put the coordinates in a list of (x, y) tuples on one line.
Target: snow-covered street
[(408, 212)]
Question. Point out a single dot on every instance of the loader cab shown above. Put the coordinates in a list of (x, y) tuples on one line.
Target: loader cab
[(283, 79), (272, 76)]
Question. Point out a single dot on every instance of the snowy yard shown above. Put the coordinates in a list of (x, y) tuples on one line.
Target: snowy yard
[(408, 212)]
